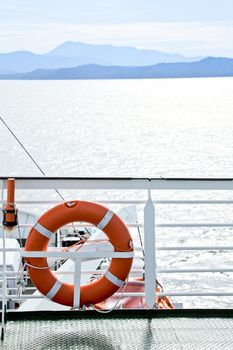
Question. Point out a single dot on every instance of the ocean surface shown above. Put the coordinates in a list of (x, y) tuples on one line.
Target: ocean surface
[(167, 127), (136, 128)]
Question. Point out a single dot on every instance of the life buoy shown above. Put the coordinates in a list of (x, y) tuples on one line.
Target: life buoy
[(63, 214)]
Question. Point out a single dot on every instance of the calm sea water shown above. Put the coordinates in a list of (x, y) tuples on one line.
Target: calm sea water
[(138, 128), (167, 127)]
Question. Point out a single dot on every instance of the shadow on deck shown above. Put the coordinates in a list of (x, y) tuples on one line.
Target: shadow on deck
[(135, 329)]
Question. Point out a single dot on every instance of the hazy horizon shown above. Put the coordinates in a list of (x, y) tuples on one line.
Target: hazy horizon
[(193, 28), (94, 44)]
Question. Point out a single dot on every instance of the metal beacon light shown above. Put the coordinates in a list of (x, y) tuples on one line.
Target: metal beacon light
[(10, 213)]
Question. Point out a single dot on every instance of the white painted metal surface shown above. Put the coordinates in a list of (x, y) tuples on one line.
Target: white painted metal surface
[(149, 246), (150, 226), (77, 282)]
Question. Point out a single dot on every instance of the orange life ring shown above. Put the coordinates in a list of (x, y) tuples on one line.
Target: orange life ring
[(63, 214)]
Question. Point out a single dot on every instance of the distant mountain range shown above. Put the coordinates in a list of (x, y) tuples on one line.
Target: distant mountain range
[(75, 60), (73, 54), (209, 67)]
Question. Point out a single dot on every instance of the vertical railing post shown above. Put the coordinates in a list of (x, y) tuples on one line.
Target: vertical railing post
[(4, 285), (149, 244), (77, 282)]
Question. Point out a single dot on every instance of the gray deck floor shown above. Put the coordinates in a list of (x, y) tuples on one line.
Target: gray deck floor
[(109, 334)]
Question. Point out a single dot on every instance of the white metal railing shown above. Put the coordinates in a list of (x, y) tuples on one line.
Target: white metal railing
[(150, 225)]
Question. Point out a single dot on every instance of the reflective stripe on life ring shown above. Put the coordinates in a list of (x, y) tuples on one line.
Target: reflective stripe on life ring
[(63, 214)]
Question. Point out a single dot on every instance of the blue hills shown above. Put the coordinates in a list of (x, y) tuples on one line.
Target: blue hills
[(208, 67), (25, 61), (117, 55), (73, 54), (76, 60)]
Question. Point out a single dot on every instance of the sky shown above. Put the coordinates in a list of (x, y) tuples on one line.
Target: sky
[(189, 27)]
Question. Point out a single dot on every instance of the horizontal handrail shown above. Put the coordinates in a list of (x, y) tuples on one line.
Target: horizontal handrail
[(24, 289), (160, 248), (194, 225), (70, 225), (14, 276), (183, 248), (159, 270), (121, 183), (54, 249), (76, 254), (120, 201), (196, 270), (162, 225), (139, 294)]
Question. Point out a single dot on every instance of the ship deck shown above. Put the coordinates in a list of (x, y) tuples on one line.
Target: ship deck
[(152, 329)]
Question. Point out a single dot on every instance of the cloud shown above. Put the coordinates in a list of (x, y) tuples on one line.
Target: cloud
[(195, 38)]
